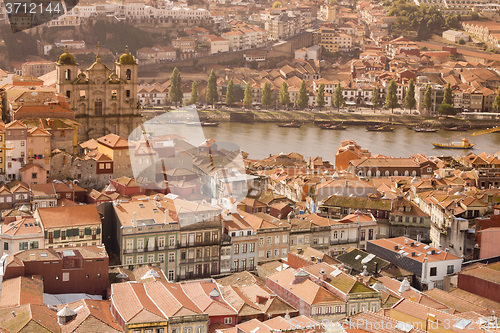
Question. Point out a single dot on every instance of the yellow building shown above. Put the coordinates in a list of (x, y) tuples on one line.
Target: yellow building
[(2, 148)]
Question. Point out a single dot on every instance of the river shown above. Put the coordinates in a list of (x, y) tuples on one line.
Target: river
[(262, 139)]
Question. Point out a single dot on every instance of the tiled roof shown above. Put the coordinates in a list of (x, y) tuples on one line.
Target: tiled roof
[(57, 217), (488, 272), (21, 290)]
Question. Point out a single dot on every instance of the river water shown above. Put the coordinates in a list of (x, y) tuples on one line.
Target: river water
[(262, 139)]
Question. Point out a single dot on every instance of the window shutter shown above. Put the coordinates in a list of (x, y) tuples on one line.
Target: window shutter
[(98, 231), (57, 233), (88, 231), (76, 232), (46, 234)]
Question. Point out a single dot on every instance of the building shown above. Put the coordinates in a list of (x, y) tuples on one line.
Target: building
[(158, 305), (428, 264), (481, 280), (390, 166), (16, 135), (146, 233), (70, 225), (243, 250), (104, 100), (334, 41), (72, 270), (454, 36), (308, 297), (37, 68), (21, 234)]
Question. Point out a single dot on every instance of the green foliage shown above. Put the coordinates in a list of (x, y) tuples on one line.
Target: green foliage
[(410, 101), (338, 98), (302, 97), (212, 96), (448, 97), (424, 20), (194, 93), (453, 21), (427, 102), (284, 96), (375, 98), (391, 101), (247, 100), (254, 64), (19, 44), (266, 98), (175, 93), (320, 98), (496, 102), (277, 4), (114, 36), (461, 41), (230, 97), (447, 109)]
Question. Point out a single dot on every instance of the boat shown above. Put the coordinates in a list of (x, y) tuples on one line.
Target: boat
[(332, 127), (464, 144), (457, 128), (425, 129), (380, 128), (209, 124), (291, 125)]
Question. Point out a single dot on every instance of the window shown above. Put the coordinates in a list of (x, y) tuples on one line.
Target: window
[(236, 249), (284, 252), (98, 108), (161, 241), (370, 234), (236, 264), (285, 239), (252, 248), (130, 244), (433, 271), (161, 257), (171, 257), (244, 248), (188, 330), (268, 254), (276, 239), (140, 244), (129, 260), (199, 329), (183, 255), (261, 241), (338, 309), (22, 143), (127, 93), (450, 269), (23, 246), (171, 241), (251, 263), (363, 235), (228, 320), (261, 254), (140, 259), (318, 311), (128, 75), (269, 240), (171, 277)]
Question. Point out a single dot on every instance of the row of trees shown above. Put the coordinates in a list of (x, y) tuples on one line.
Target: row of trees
[(391, 101)]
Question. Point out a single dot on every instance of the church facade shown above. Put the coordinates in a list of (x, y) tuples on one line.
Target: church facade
[(104, 100)]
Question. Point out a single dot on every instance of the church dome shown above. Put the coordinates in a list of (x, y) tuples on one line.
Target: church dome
[(126, 58), (66, 59)]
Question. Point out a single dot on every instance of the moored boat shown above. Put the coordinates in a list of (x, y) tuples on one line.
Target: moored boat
[(425, 129), (291, 125), (209, 124), (457, 128), (380, 128), (333, 127), (464, 144)]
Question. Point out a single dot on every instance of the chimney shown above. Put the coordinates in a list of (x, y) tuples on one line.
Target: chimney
[(134, 219), (396, 247), (299, 250), (413, 254), (214, 294), (433, 251), (412, 244), (405, 285), (323, 274), (65, 315), (165, 220), (300, 276), (375, 268)]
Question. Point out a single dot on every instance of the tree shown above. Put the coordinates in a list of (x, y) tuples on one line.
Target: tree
[(447, 109), (391, 100), (254, 64), (461, 41), (496, 102), (427, 103), (248, 99), (277, 4), (230, 98), (284, 96), (175, 92), (375, 98), (212, 96), (338, 98), (194, 93), (302, 96), (320, 98), (448, 98), (266, 98), (410, 101)]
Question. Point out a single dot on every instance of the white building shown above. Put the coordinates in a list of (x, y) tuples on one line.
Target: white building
[(454, 36), (428, 264), (16, 134)]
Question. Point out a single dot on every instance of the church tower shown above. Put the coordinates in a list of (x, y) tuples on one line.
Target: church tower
[(104, 100), (66, 71)]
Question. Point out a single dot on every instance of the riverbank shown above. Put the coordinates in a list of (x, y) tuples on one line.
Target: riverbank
[(282, 116), (366, 118)]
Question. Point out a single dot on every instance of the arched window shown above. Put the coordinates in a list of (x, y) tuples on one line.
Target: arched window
[(378, 173), (369, 173), (396, 173), (387, 173), (98, 108), (68, 74), (413, 173), (407, 173), (128, 74)]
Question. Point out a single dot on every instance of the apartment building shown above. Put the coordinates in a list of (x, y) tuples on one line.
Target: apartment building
[(70, 226)]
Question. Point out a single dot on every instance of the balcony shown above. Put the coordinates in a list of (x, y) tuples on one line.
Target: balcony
[(343, 241), (197, 244)]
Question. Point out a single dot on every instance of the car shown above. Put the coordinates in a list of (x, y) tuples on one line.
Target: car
[(351, 110), (397, 112), (415, 112)]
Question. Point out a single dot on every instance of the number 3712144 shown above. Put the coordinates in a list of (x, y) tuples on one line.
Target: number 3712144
[(32, 8)]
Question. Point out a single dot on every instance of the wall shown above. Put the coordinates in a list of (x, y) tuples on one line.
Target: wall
[(479, 287)]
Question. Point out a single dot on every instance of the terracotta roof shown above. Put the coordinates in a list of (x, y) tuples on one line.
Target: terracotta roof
[(489, 272), (29, 314), (21, 290), (92, 315), (24, 226), (113, 141), (198, 292), (57, 217)]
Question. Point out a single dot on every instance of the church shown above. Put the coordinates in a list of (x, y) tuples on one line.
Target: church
[(104, 100)]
